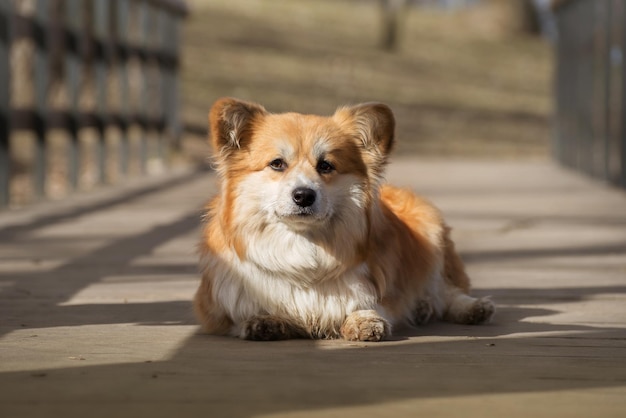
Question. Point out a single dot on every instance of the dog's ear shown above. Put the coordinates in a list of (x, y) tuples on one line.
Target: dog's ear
[(231, 121), (373, 124)]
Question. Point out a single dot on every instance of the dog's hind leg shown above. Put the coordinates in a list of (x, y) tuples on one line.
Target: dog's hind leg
[(464, 309), (460, 307), (212, 317), (423, 312)]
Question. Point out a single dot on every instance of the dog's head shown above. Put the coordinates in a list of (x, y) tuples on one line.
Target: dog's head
[(299, 170)]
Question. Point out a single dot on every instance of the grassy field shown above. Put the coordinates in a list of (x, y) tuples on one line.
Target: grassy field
[(460, 84)]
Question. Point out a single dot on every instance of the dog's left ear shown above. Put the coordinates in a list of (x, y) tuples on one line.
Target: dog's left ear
[(373, 124), (231, 122)]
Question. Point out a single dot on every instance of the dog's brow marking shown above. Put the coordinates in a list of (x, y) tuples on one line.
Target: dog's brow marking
[(320, 148), (285, 149)]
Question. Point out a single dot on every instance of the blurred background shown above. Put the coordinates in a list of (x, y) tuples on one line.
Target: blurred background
[(464, 78), (102, 91)]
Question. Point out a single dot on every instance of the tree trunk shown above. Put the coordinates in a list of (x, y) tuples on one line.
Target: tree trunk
[(391, 11)]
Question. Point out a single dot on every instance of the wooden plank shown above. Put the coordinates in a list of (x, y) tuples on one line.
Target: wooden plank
[(556, 348), (6, 11)]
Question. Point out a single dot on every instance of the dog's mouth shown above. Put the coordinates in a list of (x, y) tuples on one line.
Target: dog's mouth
[(304, 212), (302, 216)]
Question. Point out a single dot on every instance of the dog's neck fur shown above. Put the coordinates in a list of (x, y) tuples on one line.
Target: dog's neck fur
[(304, 256)]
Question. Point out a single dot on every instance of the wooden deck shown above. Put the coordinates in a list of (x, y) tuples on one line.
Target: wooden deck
[(95, 316)]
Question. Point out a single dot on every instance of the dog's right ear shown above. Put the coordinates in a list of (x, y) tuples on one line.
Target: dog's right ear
[(231, 121)]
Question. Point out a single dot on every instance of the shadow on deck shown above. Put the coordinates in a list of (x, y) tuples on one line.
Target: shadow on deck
[(96, 316)]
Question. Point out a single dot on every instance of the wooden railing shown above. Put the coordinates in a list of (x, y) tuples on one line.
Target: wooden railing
[(88, 69), (591, 88)]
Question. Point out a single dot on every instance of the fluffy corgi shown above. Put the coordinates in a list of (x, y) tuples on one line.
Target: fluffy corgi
[(305, 241)]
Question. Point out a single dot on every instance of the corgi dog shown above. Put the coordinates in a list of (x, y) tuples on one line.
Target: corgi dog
[(304, 239)]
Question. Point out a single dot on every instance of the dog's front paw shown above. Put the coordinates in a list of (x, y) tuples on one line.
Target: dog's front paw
[(267, 328), (365, 326)]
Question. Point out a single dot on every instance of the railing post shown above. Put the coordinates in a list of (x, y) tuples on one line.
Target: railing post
[(73, 19), (164, 73), (170, 45), (144, 99), (121, 36), (101, 29), (41, 75), (66, 44), (622, 146), (160, 15), (591, 105), (604, 92), (6, 15)]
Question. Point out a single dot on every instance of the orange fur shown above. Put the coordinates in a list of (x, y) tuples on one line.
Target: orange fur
[(353, 261)]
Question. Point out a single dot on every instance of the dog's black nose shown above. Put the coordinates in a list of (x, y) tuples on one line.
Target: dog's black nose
[(303, 196)]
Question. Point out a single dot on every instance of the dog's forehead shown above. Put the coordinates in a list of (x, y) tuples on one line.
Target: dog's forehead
[(293, 134)]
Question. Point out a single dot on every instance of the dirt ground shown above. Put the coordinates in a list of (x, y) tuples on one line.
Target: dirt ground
[(460, 83)]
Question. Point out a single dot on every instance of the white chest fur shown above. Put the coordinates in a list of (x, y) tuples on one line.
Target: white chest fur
[(292, 256), (293, 278)]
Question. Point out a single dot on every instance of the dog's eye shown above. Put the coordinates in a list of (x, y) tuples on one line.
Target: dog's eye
[(278, 164), (324, 167)]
